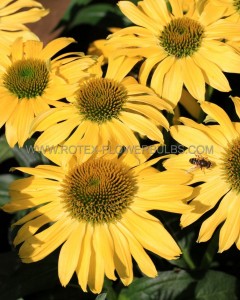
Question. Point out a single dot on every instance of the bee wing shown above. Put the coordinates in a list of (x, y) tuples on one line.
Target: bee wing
[(191, 169)]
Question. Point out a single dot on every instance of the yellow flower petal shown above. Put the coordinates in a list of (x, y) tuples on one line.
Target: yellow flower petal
[(143, 260), (56, 134), (122, 258), (33, 49), (173, 77), (195, 84), (203, 203), (104, 245), (48, 212), (222, 118), (119, 67), (44, 171), (69, 254), (148, 64), (157, 80), (50, 117), (212, 73), (157, 9), (142, 125), (150, 232), (209, 226), (96, 270), (40, 245), (5, 109), (230, 230), (123, 135), (54, 46), (150, 113), (193, 138), (136, 16), (82, 269), (165, 177), (236, 101)]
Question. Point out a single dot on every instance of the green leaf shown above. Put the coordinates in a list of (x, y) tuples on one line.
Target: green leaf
[(211, 251), (217, 285), (27, 156), (159, 288), (181, 285), (93, 14), (101, 296), (5, 180), (5, 150), (81, 2), (72, 6)]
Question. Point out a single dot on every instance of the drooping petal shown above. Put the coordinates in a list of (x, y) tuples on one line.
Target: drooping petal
[(142, 125), (203, 203), (136, 16), (230, 230), (222, 118), (122, 258), (143, 260), (82, 269), (150, 232), (195, 84), (209, 226), (104, 245), (40, 245), (236, 101), (54, 46), (69, 254)]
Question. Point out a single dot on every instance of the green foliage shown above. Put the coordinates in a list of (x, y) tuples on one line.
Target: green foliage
[(5, 150), (27, 156), (93, 14), (101, 296), (182, 285), (104, 14), (5, 180)]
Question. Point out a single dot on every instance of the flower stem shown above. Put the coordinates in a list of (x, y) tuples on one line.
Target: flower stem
[(210, 252), (188, 260), (111, 294)]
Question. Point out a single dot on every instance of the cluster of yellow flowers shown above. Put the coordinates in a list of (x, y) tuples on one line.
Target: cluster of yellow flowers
[(96, 194)]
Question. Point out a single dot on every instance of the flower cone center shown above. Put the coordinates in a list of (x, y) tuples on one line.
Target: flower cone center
[(182, 37), (98, 191), (27, 78), (101, 99), (231, 165), (236, 4)]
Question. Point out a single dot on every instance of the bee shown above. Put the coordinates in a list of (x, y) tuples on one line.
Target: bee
[(200, 162)]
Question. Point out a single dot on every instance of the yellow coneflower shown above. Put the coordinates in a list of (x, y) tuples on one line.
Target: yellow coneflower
[(224, 8), (30, 81), (97, 208), (14, 14), (213, 158), (229, 9), (104, 109), (180, 47)]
